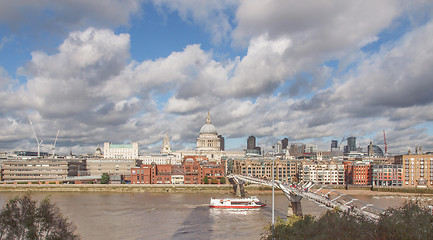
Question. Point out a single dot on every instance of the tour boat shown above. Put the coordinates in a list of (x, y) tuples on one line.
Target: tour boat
[(250, 202)]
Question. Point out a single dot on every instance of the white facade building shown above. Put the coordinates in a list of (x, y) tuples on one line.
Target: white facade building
[(322, 173), (160, 159), (121, 151)]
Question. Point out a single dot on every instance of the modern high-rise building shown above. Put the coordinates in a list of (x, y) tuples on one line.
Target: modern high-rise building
[(334, 144), (285, 143), (351, 144), (222, 142), (251, 143)]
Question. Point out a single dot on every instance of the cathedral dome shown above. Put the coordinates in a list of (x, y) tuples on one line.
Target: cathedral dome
[(208, 128)]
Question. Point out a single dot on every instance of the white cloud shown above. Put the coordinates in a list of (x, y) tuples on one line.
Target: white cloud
[(94, 92), (212, 15), (175, 105), (59, 16), (317, 26), (399, 76)]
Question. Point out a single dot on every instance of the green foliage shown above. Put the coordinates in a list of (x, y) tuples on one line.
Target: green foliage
[(22, 218), (407, 222), (404, 190), (411, 221), (223, 180), (206, 180), (105, 178), (214, 181)]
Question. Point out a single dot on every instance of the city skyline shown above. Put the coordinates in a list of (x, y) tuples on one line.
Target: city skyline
[(131, 71)]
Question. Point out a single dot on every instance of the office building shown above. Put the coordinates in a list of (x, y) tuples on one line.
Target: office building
[(251, 143), (121, 151), (351, 144), (387, 175), (222, 142), (285, 143), (334, 144), (34, 169)]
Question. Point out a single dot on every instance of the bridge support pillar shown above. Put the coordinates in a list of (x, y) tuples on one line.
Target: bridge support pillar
[(238, 187), (240, 190), (295, 207)]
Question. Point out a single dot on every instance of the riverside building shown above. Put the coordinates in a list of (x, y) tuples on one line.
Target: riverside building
[(121, 151), (34, 169), (96, 167), (387, 175), (417, 169), (329, 173), (193, 170), (284, 170), (357, 172)]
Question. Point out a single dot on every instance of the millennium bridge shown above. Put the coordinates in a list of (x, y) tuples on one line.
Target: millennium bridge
[(314, 192)]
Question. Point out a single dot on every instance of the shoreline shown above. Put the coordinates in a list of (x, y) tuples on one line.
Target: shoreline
[(182, 188)]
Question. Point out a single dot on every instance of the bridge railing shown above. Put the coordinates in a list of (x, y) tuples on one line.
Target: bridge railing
[(320, 194)]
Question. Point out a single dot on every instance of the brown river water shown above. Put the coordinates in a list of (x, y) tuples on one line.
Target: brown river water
[(172, 215)]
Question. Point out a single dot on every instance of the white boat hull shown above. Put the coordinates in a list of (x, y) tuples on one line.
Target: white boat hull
[(237, 203)]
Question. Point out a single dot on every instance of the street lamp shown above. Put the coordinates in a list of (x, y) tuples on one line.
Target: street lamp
[(273, 192)]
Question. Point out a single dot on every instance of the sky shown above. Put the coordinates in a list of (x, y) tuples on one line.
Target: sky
[(125, 71)]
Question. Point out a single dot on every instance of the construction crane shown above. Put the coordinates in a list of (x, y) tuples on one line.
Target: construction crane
[(341, 141), (53, 148), (384, 141), (37, 141)]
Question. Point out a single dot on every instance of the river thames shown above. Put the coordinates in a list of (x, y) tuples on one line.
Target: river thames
[(172, 215)]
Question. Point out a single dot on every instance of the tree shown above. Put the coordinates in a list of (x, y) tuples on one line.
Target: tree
[(23, 218), (411, 221), (223, 180), (205, 179), (105, 178)]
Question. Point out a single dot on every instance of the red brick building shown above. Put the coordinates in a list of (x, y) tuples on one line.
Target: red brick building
[(193, 168), (151, 174), (358, 173)]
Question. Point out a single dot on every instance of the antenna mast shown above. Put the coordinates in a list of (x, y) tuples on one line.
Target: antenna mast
[(37, 141)]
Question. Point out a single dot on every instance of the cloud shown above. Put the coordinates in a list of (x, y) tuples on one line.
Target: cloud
[(314, 27), (91, 89), (397, 77), (212, 15), (22, 17), (69, 82)]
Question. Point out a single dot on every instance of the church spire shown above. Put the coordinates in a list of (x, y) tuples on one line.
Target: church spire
[(208, 118), (165, 144)]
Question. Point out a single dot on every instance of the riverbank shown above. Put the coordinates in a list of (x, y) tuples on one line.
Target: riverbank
[(185, 188), (364, 192), (160, 188)]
